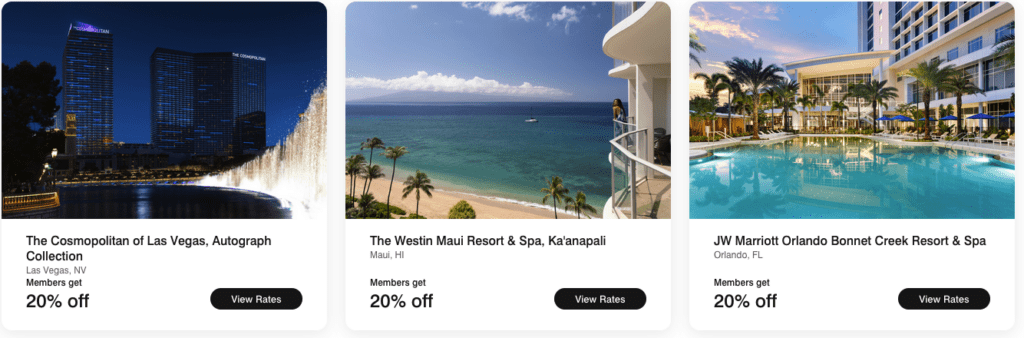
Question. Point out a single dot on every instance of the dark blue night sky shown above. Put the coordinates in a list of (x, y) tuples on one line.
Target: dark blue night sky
[(292, 36)]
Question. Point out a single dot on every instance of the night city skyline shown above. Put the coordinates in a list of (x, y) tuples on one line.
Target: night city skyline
[(291, 36)]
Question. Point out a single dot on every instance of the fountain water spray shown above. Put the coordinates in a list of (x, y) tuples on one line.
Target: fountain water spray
[(294, 172)]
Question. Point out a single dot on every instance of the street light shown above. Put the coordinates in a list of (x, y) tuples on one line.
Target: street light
[(53, 153)]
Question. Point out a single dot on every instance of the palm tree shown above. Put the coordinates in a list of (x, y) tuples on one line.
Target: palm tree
[(555, 191), (579, 204), (807, 102), (787, 100), (819, 97), (696, 47), (771, 95), (353, 166), (878, 94), (929, 79), (371, 172), (855, 90), (713, 84), (755, 76), (734, 87), (839, 106), (370, 143), (393, 153), (1004, 53), (960, 84), (419, 182)]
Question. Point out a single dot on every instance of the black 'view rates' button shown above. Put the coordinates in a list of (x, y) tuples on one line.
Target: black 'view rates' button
[(944, 299), (600, 299), (256, 299)]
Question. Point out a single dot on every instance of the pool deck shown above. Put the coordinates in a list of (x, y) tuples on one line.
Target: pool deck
[(1002, 153)]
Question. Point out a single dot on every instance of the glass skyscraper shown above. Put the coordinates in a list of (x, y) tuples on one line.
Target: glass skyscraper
[(88, 94), (172, 96), (202, 116)]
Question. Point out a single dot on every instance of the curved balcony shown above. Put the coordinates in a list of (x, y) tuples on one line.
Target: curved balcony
[(644, 37)]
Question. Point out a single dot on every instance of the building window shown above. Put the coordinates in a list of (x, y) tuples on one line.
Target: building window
[(948, 7), (931, 20), (931, 4), (974, 45), (915, 93), (917, 15), (998, 108), (871, 45), (906, 39), (949, 25), (972, 73), (835, 87), (906, 24), (1005, 32), (952, 54), (932, 35), (906, 52), (972, 11), (917, 45), (997, 76), (917, 30)]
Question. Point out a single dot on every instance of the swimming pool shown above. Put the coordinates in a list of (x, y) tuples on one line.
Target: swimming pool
[(851, 178)]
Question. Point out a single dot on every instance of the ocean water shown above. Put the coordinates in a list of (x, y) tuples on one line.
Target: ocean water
[(487, 148), (849, 178)]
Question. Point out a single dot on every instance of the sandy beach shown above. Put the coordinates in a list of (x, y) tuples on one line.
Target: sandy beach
[(437, 207)]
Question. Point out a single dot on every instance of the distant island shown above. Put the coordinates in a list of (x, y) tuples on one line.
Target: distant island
[(423, 96)]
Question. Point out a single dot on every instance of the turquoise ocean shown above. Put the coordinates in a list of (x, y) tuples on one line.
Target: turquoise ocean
[(487, 149)]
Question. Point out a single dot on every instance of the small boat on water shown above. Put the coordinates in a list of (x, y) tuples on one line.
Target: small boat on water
[(531, 120)]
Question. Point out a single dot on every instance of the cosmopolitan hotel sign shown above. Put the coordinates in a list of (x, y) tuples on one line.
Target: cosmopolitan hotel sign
[(247, 56)]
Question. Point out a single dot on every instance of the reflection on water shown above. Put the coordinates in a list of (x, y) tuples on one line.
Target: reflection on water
[(166, 202), (822, 178)]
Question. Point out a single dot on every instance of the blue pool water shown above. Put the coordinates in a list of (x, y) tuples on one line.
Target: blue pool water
[(487, 148), (851, 178)]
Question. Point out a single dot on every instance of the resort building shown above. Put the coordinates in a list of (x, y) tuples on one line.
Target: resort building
[(88, 95), (640, 44), (198, 99), (896, 36)]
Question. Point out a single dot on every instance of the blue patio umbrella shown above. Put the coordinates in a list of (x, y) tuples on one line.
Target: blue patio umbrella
[(902, 118), (883, 118), (948, 118), (982, 116), (929, 119), (1007, 116)]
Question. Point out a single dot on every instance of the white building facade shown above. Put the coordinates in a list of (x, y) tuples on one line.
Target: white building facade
[(896, 36)]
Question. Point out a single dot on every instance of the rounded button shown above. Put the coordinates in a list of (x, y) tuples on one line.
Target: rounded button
[(256, 299), (600, 299), (944, 299)]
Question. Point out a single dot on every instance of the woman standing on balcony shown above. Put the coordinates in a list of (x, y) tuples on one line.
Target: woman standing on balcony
[(619, 114)]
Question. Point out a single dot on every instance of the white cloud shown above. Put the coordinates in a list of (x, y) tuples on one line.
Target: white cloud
[(736, 7), (730, 30), (452, 84), (565, 14), (414, 7), (501, 8)]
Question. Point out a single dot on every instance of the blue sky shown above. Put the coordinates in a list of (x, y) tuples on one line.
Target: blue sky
[(778, 32), (550, 50), (291, 36)]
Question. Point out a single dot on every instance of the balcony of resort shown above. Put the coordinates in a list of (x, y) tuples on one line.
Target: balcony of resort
[(640, 44)]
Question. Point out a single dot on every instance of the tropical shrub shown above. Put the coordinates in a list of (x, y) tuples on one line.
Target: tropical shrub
[(462, 210), (383, 208), (702, 138), (414, 216), (350, 202)]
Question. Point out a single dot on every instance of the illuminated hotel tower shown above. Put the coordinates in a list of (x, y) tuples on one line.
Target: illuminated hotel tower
[(199, 101), (88, 95)]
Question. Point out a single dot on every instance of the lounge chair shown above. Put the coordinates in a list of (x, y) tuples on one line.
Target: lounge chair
[(941, 137), (1008, 141), (983, 139)]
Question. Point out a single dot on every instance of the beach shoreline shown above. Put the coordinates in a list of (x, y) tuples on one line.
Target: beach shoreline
[(444, 197)]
